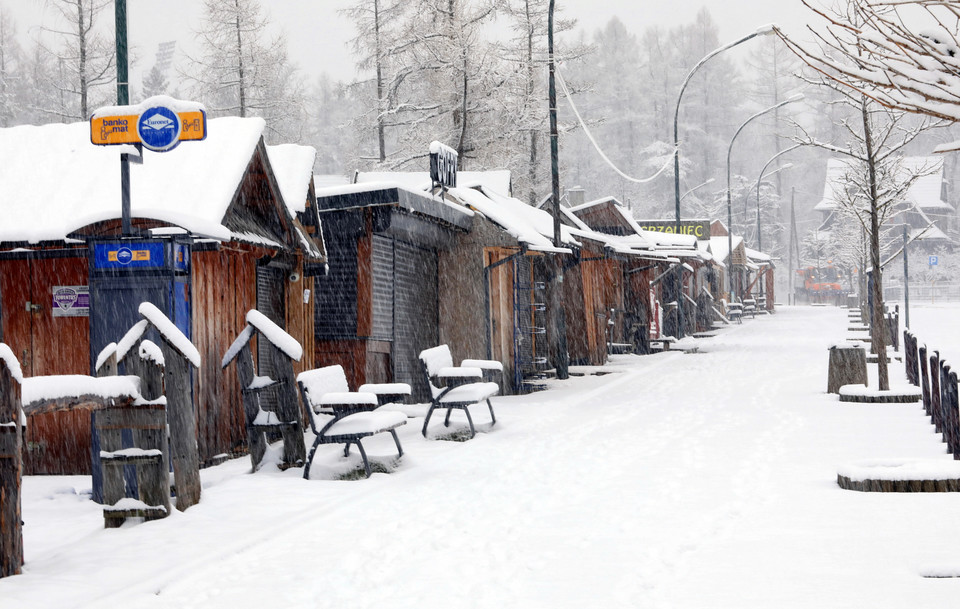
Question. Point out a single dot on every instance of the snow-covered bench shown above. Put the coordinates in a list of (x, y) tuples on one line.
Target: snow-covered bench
[(340, 416), (458, 387)]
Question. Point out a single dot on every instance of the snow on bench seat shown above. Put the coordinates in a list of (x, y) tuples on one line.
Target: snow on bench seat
[(473, 393), (367, 423), (485, 364)]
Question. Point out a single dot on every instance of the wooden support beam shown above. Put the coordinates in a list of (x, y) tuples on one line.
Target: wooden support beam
[(11, 473)]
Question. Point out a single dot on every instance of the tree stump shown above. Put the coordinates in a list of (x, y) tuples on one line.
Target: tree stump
[(848, 366)]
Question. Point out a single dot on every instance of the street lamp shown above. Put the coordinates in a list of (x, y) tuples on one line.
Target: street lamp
[(697, 187), (766, 30), (795, 98), (760, 179)]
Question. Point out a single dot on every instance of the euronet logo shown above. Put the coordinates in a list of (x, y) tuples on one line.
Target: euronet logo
[(157, 122)]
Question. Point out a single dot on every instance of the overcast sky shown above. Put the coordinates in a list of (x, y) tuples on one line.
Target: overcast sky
[(317, 36)]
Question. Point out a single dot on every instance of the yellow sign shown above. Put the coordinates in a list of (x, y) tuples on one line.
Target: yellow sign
[(122, 129), (138, 256)]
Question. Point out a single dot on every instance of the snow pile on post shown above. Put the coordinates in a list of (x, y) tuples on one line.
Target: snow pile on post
[(170, 332), (48, 388), (275, 334), (13, 364)]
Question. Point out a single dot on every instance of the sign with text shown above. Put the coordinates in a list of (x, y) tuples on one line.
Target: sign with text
[(159, 124), (443, 165), (128, 255), (698, 228), (933, 260), (71, 301)]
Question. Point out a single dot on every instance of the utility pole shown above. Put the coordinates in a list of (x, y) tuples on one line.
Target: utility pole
[(123, 99), (906, 281), (558, 338)]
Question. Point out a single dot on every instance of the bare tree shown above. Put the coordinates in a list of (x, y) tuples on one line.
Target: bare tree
[(84, 57), (875, 135), (10, 66), (870, 47), (242, 70)]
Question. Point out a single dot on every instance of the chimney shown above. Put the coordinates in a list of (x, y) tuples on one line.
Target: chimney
[(576, 196)]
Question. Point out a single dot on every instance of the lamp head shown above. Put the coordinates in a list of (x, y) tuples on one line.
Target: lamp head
[(767, 30)]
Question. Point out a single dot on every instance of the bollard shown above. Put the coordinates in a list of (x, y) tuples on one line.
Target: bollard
[(848, 366)]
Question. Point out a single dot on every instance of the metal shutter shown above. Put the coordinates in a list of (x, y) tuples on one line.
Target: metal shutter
[(416, 311), (382, 288)]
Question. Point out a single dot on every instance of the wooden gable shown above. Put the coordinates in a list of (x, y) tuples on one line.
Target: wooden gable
[(257, 209)]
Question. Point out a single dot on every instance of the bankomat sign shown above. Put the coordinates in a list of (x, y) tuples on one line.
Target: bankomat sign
[(698, 228), (159, 123), (128, 255)]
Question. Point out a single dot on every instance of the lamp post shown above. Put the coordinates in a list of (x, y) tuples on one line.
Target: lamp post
[(762, 31), (759, 180), (795, 98)]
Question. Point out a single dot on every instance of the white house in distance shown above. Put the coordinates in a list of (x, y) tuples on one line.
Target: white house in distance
[(926, 207)]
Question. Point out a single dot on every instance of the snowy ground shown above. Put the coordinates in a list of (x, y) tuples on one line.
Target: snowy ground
[(677, 480)]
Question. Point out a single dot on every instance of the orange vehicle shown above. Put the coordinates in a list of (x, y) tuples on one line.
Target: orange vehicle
[(820, 284)]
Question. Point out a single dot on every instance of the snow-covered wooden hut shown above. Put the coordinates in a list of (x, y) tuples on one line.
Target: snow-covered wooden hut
[(220, 226)]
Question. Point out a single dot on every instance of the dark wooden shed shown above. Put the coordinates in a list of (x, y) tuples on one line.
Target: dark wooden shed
[(246, 247), (378, 306)]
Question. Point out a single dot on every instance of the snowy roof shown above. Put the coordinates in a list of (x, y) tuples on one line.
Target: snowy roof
[(758, 257), (293, 167), (525, 223), (924, 193), (498, 180), (719, 246), (396, 194), (53, 173)]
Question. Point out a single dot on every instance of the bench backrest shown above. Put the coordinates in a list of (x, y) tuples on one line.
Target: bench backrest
[(433, 359), (436, 358), (319, 381)]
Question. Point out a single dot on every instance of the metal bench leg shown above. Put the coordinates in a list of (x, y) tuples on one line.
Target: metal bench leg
[(493, 417), (446, 420), (473, 430), (346, 449), (306, 467), (396, 440), (363, 454), (426, 420)]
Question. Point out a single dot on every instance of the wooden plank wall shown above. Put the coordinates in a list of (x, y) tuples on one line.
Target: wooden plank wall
[(55, 443), (224, 289)]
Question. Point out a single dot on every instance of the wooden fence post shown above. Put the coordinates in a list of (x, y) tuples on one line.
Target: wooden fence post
[(11, 473), (935, 396), (925, 379), (183, 426)]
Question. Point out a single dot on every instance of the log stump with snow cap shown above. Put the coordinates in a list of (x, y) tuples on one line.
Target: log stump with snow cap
[(11, 464), (847, 366), (900, 476)]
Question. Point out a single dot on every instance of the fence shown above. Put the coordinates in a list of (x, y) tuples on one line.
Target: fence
[(938, 291), (939, 388)]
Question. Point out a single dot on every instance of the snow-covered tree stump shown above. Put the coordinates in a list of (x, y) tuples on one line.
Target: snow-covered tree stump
[(901, 476), (11, 465), (847, 366)]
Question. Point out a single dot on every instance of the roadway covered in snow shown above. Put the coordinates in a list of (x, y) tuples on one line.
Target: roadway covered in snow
[(673, 480)]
